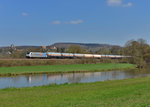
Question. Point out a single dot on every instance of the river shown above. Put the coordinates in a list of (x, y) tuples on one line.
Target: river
[(48, 79)]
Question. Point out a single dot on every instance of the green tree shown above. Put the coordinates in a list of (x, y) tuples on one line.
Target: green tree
[(116, 50), (75, 49), (137, 50), (104, 51), (61, 50)]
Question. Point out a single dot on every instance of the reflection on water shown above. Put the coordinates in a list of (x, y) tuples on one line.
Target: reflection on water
[(44, 79)]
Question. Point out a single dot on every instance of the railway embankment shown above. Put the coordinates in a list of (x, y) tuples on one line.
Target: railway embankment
[(38, 62), (19, 70)]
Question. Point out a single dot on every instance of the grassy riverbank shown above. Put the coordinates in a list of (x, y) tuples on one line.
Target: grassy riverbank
[(120, 93), (63, 68)]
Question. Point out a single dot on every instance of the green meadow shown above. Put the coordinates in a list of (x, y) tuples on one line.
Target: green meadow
[(118, 93), (64, 68)]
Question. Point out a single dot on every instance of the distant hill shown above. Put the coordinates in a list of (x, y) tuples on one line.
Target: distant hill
[(89, 46)]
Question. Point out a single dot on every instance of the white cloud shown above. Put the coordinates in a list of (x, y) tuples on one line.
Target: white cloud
[(24, 14), (76, 21), (128, 5), (118, 3), (57, 22), (114, 2), (67, 22)]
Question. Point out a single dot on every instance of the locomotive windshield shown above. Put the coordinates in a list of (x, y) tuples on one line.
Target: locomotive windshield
[(28, 52)]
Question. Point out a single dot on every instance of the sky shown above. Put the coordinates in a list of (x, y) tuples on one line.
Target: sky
[(44, 22)]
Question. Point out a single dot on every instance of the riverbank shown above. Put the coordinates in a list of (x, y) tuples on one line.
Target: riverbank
[(8, 71), (129, 92)]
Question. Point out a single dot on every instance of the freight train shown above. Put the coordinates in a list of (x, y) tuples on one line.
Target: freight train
[(69, 55)]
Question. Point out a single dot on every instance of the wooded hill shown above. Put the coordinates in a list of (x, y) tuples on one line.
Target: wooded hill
[(86, 46)]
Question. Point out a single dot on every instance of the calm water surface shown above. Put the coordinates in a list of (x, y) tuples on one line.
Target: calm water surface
[(45, 79)]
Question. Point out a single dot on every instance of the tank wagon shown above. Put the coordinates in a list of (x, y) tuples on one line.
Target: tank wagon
[(69, 55)]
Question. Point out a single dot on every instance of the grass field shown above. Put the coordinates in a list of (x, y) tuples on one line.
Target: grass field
[(63, 68), (120, 93)]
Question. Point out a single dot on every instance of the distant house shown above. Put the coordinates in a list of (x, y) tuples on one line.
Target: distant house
[(53, 48), (44, 47)]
